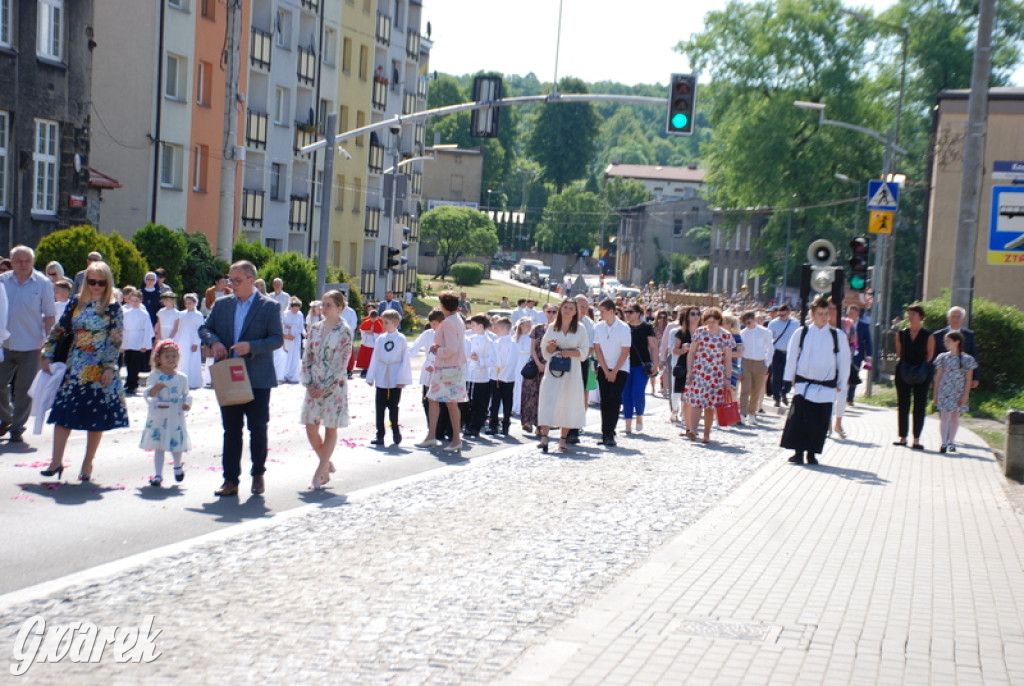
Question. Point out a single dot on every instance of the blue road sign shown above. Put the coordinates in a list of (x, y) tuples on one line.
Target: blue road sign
[(883, 195), (602, 262)]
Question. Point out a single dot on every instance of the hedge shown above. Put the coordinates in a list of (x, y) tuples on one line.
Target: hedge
[(467, 273)]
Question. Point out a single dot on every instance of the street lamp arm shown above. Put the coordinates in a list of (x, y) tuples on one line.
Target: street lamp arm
[(408, 161), (860, 129)]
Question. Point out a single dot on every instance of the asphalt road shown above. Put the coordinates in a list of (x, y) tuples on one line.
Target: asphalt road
[(51, 528)]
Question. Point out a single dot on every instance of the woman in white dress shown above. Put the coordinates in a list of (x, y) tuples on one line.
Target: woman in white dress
[(559, 402), (288, 358), (187, 338), (167, 317)]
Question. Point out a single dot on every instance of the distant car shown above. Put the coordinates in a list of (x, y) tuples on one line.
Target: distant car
[(521, 272), (499, 313), (540, 276)]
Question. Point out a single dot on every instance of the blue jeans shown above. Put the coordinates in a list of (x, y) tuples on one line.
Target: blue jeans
[(633, 393)]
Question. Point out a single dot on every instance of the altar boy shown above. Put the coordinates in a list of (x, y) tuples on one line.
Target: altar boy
[(390, 371)]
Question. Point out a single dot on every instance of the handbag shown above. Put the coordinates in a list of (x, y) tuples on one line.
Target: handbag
[(728, 412), (591, 375), (529, 370), (63, 347), (915, 374), (559, 364), (649, 369)]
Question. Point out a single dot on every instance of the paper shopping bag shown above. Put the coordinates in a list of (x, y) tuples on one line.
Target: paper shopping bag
[(231, 382)]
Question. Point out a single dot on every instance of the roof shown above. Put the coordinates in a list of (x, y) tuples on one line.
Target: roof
[(656, 173), (996, 93), (98, 179)]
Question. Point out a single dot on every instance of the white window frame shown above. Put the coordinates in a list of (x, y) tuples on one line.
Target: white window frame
[(200, 167), (5, 153), (171, 165), (283, 29), (178, 5), (45, 161), (176, 88), (318, 184), (50, 29), (277, 171), (5, 23), (282, 100), (202, 78), (330, 51)]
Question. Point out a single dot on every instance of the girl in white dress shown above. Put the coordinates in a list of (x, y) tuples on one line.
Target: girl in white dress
[(167, 317), (168, 398), (187, 338), (288, 358)]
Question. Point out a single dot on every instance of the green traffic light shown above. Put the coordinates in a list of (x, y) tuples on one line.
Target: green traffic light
[(857, 282), (679, 120)]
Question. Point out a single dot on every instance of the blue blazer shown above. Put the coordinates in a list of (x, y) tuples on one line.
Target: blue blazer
[(261, 330), (864, 339)]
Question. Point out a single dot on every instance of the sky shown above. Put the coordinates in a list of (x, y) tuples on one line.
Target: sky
[(628, 42)]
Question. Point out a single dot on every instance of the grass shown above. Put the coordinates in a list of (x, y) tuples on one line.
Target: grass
[(485, 295)]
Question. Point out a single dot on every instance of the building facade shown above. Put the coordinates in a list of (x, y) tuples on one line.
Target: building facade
[(662, 182), (734, 255), (652, 232)]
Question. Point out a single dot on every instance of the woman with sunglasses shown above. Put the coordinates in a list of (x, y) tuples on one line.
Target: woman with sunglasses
[(55, 271), (531, 387), (560, 392), (91, 397), (689, 323), (643, 354)]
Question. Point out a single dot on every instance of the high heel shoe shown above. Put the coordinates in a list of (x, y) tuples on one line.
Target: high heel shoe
[(85, 477), (453, 448), (59, 471)]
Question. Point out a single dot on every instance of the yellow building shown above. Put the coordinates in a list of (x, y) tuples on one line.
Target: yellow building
[(999, 260)]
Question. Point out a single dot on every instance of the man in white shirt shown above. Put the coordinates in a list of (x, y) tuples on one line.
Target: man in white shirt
[(279, 295), (757, 355), (818, 366), (782, 328), (349, 316), (612, 341), (521, 311)]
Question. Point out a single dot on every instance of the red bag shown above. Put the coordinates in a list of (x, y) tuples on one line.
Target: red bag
[(728, 412)]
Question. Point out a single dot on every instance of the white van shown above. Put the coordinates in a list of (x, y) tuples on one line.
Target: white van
[(521, 272)]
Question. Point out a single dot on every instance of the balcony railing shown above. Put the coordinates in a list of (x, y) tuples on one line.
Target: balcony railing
[(307, 66), (305, 134), (414, 229), (383, 29), (252, 207), (260, 49), (421, 87), (311, 5), (380, 93), (375, 161), (408, 103), (256, 129), (416, 185), (371, 225), (412, 45), (368, 284), (298, 213)]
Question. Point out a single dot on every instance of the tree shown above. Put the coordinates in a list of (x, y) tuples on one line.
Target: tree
[(696, 276), (572, 221), (163, 247), (71, 247), (201, 265), (458, 232), (621, 193), (564, 135), (133, 264), (297, 272), (254, 252)]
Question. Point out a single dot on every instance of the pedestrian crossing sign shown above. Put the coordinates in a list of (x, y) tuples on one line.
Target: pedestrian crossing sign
[(883, 195), (880, 222)]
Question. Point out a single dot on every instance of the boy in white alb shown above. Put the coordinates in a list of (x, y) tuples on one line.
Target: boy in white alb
[(390, 371), (136, 341), (480, 357), (503, 377)]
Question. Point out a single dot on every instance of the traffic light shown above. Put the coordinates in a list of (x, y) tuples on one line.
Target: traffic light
[(484, 122), (859, 248), (682, 100), (388, 260)]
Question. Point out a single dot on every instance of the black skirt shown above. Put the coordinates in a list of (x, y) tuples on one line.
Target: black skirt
[(806, 425)]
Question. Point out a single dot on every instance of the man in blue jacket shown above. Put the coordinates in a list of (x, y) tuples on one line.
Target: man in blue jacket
[(860, 347), (246, 324)]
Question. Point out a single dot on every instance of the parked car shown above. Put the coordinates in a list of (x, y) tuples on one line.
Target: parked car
[(521, 272), (540, 276)]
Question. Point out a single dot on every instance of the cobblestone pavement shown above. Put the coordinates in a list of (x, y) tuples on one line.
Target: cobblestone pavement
[(442, 579)]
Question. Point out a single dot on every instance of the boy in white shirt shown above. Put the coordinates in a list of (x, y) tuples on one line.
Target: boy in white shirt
[(503, 377), (480, 357), (390, 370), (136, 341), (61, 296)]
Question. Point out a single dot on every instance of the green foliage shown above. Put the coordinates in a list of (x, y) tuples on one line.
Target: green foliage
[(133, 264), (467, 273), (254, 252), (355, 297), (999, 334), (572, 221), (297, 272), (696, 276), (622, 193), (458, 232), (71, 247), (163, 247), (671, 268), (201, 265), (564, 137)]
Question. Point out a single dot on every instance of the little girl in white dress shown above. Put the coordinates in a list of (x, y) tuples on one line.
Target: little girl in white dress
[(168, 398)]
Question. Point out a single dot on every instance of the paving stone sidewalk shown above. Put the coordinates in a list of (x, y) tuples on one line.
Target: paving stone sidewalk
[(882, 566)]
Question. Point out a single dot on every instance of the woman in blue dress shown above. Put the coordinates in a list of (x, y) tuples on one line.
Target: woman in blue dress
[(91, 397)]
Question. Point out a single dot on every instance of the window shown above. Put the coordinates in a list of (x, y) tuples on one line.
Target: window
[(5, 22), (677, 227), (346, 55), (322, 112), (339, 192), (203, 86), (330, 50), (176, 78), (281, 98), (276, 189), (50, 29), (364, 62), (209, 9), (179, 4), (318, 185), (200, 163), (44, 167), (283, 29), (4, 154), (360, 123), (357, 194), (343, 119), (170, 165)]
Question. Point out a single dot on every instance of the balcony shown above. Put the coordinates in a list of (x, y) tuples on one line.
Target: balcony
[(383, 29), (306, 71), (368, 284), (256, 129), (408, 103), (416, 183), (252, 208), (380, 93), (414, 229), (311, 5), (371, 226), (375, 161), (260, 49), (305, 134), (412, 46), (421, 88), (298, 213)]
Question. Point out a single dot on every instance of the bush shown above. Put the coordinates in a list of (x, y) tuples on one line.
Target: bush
[(255, 252), (409, 319), (999, 334), (297, 272), (355, 297), (201, 265), (133, 263), (467, 273), (163, 247), (71, 247), (696, 276)]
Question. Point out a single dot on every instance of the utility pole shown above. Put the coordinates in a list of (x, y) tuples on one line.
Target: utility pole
[(962, 288), (325, 204), (229, 164)]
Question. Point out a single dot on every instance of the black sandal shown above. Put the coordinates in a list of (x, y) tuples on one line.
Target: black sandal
[(902, 441)]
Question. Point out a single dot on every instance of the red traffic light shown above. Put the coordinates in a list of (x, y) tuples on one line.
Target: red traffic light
[(859, 245)]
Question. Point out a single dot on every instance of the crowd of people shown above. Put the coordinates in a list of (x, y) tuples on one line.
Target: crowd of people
[(66, 342)]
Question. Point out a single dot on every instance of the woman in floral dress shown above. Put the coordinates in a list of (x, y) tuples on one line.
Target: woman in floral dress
[(709, 366), (91, 397), (324, 373), (531, 387)]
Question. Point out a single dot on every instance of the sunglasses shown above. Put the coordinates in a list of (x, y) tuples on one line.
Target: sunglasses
[(51, 273), (295, 306), (96, 282)]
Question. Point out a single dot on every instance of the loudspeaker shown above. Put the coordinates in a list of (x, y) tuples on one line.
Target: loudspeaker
[(821, 253)]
